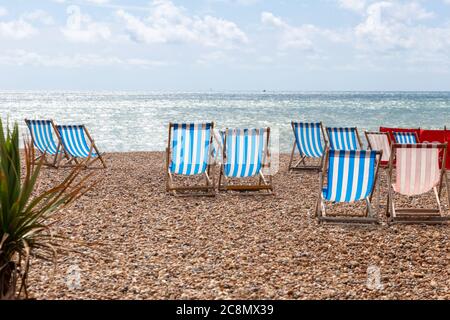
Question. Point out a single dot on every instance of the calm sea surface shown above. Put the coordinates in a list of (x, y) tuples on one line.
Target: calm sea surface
[(134, 121)]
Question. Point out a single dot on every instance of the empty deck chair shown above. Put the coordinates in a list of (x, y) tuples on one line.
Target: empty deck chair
[(79, 146), (310, 143), (380, 141), (405, 137), (190, 153), (351, 176), (344, 138), (419, 169), (44, 133), (245, 155)]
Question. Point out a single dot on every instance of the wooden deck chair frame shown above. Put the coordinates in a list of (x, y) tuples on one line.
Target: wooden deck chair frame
[(264, 183), (413, 132), (60, 151), (208, 189), (369, 144), (368, 218), (86, 162), (301, 165), (356, 132), (417, 215), (384, 166)]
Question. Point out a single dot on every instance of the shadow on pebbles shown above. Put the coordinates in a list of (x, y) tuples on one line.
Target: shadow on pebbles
[(149, 245)]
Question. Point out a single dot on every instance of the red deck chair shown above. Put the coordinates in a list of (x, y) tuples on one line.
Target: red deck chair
[(392, 130), (440, 136)]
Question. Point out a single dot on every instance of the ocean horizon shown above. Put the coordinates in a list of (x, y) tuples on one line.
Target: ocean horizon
[(123, 121)]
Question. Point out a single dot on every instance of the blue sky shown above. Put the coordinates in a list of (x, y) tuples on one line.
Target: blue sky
[(224, 45)]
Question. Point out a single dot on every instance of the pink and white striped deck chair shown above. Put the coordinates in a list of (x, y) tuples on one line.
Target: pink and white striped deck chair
[(419, 170), (380, 141)]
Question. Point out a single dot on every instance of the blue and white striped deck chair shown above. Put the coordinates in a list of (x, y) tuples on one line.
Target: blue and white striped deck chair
[(351, 176), (405, 137), (310, 142), (43, 134), (245, 155), (78, 144), (190, 153), (344, 138)]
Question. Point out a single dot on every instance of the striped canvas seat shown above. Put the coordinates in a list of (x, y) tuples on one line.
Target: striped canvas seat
[(191, 144), (405, 137), (420, 168), (308, 139), (42, 134), (74, 141), (343, 138), (417, 170), (244, 152), (380, 141), (351, 175)]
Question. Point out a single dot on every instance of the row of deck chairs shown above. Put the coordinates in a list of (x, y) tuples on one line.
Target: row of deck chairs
[(245, 155), (311, 141), (348, 173), (73, 144)]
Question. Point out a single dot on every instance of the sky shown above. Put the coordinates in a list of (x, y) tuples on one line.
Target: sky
[(222, 45)]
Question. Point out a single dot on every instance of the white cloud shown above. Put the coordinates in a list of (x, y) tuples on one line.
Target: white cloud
[(241, 2), (27, 58), (80, 27), (98, 1), (169, 23), (17, 29), (246, 2), (39, 16), (397, 31), (3, 11), (391, 25), (302, 37), (88, 1), (269, 18), (24, 27), (353, 5)]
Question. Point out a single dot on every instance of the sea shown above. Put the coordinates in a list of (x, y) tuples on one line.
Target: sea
[(138, 121)]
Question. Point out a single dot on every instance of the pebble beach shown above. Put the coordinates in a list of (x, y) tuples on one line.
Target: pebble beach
[(149, 245)]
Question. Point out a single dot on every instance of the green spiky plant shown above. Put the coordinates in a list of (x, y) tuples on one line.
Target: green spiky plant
[(25, 215)]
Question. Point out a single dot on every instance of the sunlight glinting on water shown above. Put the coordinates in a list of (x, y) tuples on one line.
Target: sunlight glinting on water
[(124, 121)]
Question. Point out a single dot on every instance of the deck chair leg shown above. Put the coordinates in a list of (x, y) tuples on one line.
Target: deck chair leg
[(448, 188), (219, 183), (393, 213), (438, 200), (302, 160), (55, 159), (298, 162), (57, 155), (169, 183), (388, 202), (291, 159), (319, 206), (378, 191), (59, 159), (323, 208), (209, 182), (102, 160), (369, 211), (263, 179)]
